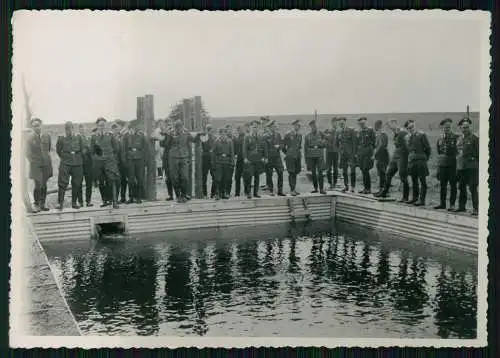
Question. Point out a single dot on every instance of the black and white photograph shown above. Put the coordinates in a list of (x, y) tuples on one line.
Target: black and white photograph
[(251, 178)]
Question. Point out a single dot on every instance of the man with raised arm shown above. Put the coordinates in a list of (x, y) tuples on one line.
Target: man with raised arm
[(419, 152), (398, 162), (71, 149), (38, 147)]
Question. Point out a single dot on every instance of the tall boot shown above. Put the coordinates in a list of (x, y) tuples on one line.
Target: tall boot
[(442, 195), (114, 194), (415, 191), (321, 183), (36, 197), (368, 185), (353, 179), (75, 193), (423, 194), (475, 200), (256, 182), (280, 183), (314, 180), (346, 179), (60, 198), (88, 193), (406, 190)]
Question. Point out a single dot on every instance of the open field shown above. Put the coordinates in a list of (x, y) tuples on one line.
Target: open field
[(428, 122)]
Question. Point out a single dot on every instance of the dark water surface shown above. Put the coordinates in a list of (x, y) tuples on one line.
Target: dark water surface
[(275, 281)]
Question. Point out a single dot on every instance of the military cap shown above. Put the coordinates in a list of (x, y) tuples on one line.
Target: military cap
[(264, 119), (271, 123), (362, 119), (81, 125), (407, 123), (68, 124), (33, 120), (208, 126), (114, 126), (378, 122), (100, 119), (178, 123), (465, 120), (341, 119), (297, 121), (312, 121), (255, 122), (227, 126), (444, 121), (120, 122), (335, 119), (93, 130)]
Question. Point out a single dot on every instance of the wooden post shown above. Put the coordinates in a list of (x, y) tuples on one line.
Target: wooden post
[(468, 113), (151, 168)]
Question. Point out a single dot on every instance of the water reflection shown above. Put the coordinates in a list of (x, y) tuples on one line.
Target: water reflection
[(299, 284)]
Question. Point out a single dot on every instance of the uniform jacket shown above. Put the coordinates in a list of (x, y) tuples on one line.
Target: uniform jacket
[(292, 144), (37, 150), (179, 145), (134, 146), (468, 152), (381, 141), (208, 146), (224, 151), (347, 141), (87, 154), (314, 144), (238, 147), (447, 149), (254, 148), (332, 145), (104, 145), (71, 149), (400, 144), (366, 142), (273, 139), (418, 146)]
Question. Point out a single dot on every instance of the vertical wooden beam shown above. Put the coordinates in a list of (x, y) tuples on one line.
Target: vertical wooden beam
[(151, 168)]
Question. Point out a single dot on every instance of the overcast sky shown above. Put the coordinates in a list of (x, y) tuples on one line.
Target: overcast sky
[(82, 65)]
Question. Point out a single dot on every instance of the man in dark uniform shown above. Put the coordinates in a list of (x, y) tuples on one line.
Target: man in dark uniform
[(254, 157), (230, 135), (332, 154), (447, 164), (87, 169), (120, 131), (134, 153), (38, 147), (70, 149), (419, 152), (314, 145), (274, 162), (105, 149), (468, 166), (381, 154), (238, 151), (398, 162), (166, 131), (179, 144), (347, 141), (207, 148), (292, 147), (366, 145), (223, 158)]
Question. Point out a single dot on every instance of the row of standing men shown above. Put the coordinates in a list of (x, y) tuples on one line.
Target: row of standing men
[(117, 158)]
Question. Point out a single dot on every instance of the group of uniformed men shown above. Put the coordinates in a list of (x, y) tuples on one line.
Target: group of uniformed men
[(117, 158)]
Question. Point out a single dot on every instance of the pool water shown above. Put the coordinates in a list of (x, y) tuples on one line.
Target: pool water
[(287, 281)]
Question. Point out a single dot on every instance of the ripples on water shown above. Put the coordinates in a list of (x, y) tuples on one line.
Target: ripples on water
[(287, 282)]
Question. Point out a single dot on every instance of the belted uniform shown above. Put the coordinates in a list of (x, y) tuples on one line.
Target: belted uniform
[(122, 168), (134, 153), (165, 165), (105, 150), (40, 165), (468, 169), (381, 156), (274, 162), (346, 139), (207, 165), (87, 172), (255, 151), (292, 147), (447, 166), (70, 150), (238, 173), (314, 145), (332, 156), (366, 144), (179, 160), (419, 152), (223, 158)]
